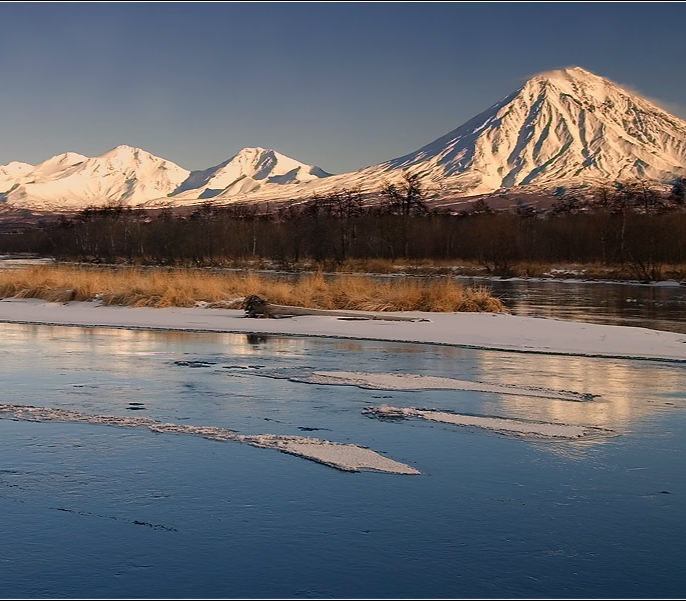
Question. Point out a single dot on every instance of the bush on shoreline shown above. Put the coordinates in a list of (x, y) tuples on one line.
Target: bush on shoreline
[(187, 288)]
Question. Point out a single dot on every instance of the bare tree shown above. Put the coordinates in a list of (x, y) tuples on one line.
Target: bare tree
[(678, 192), (406, 198)]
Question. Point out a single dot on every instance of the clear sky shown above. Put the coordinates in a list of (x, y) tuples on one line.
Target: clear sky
[(339, 85)]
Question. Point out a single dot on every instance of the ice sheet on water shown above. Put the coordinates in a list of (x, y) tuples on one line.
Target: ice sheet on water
[(395, 381), (346, 457), (508, 426)]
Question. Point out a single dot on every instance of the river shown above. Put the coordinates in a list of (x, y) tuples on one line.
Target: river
[(91, 510)]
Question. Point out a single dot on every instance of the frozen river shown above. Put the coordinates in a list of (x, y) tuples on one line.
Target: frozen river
[(92, 510)]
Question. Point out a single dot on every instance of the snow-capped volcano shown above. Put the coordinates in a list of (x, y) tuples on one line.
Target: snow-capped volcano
[(134, 177), (562, 126), (72, 181), (247, 171)]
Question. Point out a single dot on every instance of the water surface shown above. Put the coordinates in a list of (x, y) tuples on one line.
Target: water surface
[(91, 510), (652, 306)]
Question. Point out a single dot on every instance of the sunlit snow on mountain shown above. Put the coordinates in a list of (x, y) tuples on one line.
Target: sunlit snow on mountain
[(567, 127)]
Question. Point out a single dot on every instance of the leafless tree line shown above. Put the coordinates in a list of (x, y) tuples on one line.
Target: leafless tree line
[(629, 225)]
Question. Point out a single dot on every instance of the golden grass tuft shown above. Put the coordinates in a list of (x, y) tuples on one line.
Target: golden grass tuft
[(187, 288)]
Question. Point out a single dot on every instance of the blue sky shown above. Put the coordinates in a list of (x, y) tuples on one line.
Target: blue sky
[(339, 85)]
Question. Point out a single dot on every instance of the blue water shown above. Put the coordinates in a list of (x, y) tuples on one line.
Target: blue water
[(648, 306), (95, 511)]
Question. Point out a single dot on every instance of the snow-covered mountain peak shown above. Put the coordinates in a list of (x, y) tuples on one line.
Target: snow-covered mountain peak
[(16, 167), (60, 162), (122, 150), (566, 74), (53, 167), (255, 162), (245, 172), (132, 176), (124, 175), (594, 90), (11, 174), (563, 126), (64, 158), (252, 151), (260, 163), (125, 157), (566, 127)]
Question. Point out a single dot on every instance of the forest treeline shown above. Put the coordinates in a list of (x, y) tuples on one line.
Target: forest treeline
[(629, 225)]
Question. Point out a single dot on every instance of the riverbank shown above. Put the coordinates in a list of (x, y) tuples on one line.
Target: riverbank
[(496, 331), (154, 287)]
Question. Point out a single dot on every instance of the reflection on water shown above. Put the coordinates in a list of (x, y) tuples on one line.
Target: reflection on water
[(121, 343), (647, 306), (127, 513), (628, 393), (110, 369), (23, 261)]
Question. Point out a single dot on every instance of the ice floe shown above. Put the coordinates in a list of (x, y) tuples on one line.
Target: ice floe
[(508, 426), (345, 457), (391, 381)]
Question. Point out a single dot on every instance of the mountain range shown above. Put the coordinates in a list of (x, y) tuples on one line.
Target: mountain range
[(562, 128)]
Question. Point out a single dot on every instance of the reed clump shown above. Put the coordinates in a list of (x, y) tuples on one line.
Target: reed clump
[(187, 288)]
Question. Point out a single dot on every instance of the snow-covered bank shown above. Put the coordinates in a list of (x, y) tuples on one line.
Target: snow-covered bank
[(345, 457), (494, 331)]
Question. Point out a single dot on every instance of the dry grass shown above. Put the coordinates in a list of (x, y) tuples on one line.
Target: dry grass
[(186, 288)]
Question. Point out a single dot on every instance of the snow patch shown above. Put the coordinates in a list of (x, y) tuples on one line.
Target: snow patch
[(345, 457), (391, 381), (507, 426)]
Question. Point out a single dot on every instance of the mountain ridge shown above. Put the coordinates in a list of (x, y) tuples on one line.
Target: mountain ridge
[(245, 172), (561, 128), (132, 176)]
